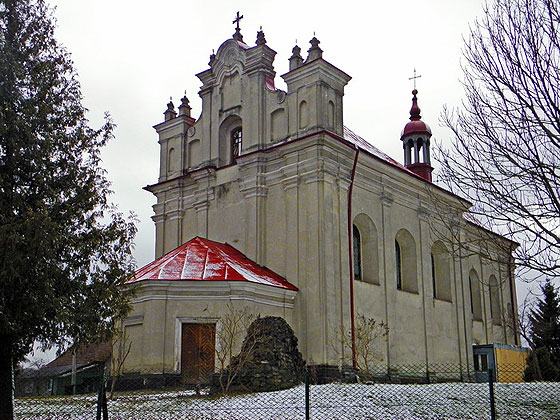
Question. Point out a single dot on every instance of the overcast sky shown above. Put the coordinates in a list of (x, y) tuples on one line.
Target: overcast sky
[(131, 56)]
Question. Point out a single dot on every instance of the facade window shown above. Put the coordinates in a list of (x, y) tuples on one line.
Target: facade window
[(476, 304), (441, 274), (365, 248), (236, 140), (357, 249), (398, 265), (405, 261), (495, 306), (434, 283)]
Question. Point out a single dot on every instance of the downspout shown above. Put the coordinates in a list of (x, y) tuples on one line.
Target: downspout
[(351, 260)]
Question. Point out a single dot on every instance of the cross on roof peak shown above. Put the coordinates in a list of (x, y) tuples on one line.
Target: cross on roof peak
[(413, 78), (236, 21), (237, 35)]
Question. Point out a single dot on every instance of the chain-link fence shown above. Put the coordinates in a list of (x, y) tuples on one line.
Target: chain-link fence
[(398, 392)]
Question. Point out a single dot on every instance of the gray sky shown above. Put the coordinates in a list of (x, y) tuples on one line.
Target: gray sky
[(131, 56)]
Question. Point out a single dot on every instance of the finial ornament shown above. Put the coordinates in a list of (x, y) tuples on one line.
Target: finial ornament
[(296, 60), (260, 37), (170, 111), (237, 35), (184, 108), (415, 109), (315, 51)]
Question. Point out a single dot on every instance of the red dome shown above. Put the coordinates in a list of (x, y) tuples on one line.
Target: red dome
[(416, 127)]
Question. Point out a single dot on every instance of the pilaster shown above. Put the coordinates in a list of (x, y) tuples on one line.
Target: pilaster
[(387, 200)]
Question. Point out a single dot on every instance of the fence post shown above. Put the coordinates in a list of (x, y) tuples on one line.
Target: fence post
[(102, 397), (491, 388), (307, 417)]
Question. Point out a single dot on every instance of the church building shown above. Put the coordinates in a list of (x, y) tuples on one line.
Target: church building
[(268, 201)]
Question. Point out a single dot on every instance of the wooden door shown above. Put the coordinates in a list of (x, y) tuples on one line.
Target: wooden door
[(197, 352)]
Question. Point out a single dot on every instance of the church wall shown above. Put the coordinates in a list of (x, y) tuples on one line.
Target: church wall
[(312, 226), (429, 322), (286, 208), (154, 326)]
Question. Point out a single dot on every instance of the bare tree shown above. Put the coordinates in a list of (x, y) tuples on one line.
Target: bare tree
[(231, 333), (121, 345), (506, 149), (367, 332)]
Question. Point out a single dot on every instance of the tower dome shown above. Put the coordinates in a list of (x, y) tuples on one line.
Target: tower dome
[(416, 142)]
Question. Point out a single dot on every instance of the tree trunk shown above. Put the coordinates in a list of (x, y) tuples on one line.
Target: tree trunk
[(6, 379)]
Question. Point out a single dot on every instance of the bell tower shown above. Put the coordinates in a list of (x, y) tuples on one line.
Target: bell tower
[(416, 143)]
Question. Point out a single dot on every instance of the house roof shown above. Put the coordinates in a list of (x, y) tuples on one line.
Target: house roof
[(90, 353), (204, 260)]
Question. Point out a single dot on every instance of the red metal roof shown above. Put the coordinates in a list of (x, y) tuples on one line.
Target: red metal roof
[(416, 126), (204, 260)]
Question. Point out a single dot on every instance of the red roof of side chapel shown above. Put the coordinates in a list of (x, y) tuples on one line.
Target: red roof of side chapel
[(204, 260)]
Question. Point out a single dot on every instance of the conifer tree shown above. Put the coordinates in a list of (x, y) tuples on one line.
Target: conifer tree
[(64, 249), (544, 321)]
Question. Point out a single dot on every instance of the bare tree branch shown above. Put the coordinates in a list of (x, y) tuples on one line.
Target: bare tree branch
[(505, 155)]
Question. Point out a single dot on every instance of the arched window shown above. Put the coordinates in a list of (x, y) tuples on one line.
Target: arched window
[(230, 142), (474, 286), (405, 260), (365, 230), (434, 282), (172, 164), (441, 276), (236, 140), (398, 264), (495, 306), (357, 249)]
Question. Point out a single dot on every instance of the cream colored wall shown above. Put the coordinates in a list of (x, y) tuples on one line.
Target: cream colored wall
[(294, 222), (286, 208), (422, 329), (154, 326)]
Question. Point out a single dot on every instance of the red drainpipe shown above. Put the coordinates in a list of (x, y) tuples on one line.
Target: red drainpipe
[(351, 261)]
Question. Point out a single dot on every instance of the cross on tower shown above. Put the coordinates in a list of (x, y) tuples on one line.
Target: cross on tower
[(414, 78), (236, 20)]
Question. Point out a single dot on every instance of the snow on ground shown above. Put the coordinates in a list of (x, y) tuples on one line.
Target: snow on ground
[(333, 401)]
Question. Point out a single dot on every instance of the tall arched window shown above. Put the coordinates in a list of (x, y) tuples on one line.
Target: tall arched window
[(365, 240), (236, 140), (495, 306), (230, 140), (434, 282), (357, 249), (405, 259), (474, 286), (441, 275), (398, 264)]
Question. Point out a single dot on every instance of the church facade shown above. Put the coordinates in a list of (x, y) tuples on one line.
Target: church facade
[(267, 201)]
